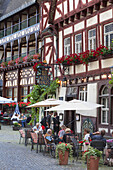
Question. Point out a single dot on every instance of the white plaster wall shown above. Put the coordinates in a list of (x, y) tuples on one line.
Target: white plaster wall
[(47, 5), (100, 34), (84, 41), (106, 129), (62, 92), (70, 5), (57, 14), (48, 40), (71, 70), (80, 68), (84, 1), (68, 30), (8, 54), (48, 56), (93, 65), (65, 7), (72, 44), (107, 63), (79, 26), (91, 21), (60, 44), (106, 15), (76, 3)]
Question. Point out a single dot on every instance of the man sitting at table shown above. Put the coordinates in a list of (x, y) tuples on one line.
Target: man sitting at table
[(98, 136), (37, 128)]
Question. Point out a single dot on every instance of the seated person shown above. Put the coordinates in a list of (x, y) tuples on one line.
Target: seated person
[(48, 137), (61, 133), (86, 134), (67, 133), (109, 149), (98, 136), (37, 128), (5, 114), (15, 118)]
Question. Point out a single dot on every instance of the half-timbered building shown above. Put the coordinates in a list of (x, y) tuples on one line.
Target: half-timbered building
[(57, 28)]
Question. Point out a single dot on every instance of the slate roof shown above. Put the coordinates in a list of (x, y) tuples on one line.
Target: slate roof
[(9, 7)]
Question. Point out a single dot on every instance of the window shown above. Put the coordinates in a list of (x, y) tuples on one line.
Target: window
[(108, 35), (78, 43), (105, 108), (67, 46), (83, 93), (15, 94), (9, 93), (24, 92), (92, 39)]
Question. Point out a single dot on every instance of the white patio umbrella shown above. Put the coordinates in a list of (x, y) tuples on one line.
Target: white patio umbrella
[(89, 104), (5, 100), (74, 106), (47, 103)]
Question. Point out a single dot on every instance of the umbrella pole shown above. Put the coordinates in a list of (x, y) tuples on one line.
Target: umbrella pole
[(75, 123)]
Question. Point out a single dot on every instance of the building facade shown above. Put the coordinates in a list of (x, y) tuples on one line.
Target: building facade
[(56, 28)]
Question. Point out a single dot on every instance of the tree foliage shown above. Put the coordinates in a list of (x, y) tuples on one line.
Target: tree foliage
[(39, 93)]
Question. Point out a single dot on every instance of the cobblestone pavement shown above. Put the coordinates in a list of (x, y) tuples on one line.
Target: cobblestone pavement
[(15, 156)]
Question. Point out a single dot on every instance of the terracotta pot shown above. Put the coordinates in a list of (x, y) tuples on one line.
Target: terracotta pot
[(92, 163), (63, 159)]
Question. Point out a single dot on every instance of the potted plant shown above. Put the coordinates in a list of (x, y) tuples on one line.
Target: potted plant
[(63, 151), (16, 126), (92, 156)]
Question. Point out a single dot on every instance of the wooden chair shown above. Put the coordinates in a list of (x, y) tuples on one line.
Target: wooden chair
[(22, 135), (27, 135), (40, 141), (34, 139)]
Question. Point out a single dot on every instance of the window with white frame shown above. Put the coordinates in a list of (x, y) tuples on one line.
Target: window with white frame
[(108, 35), (92, 39), (78, 43), (105, 108), (67, 46), (83, 93)]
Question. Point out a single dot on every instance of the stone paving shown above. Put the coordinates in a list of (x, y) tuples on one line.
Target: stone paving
[(15, 156)]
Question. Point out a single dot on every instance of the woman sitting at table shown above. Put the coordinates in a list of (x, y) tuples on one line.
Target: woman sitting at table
[(37, 128), (48, 137)]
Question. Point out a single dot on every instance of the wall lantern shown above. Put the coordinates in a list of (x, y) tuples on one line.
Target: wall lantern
[(64, 82), (111, 68)]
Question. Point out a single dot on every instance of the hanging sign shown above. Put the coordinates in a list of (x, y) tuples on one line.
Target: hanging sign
[(43, 78)]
